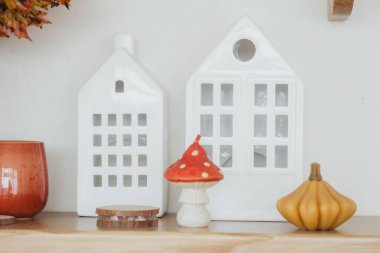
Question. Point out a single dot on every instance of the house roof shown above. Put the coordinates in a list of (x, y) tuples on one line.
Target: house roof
[(122, 66), (266, 60)]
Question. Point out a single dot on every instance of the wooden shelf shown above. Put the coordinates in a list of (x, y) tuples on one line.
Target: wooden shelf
[(64, 232)]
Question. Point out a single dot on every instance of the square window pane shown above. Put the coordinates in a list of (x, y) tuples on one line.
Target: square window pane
[(281, 156), (206, 125), (127, 160), (142, 140), (142, 181), (142, 160), (112, 140), (127, 119), (127, 140), (261, 95), (97, 181), (225, 156), (112, 180), (281, 95), (112, 160), (260, 122), (142, 119), (281, 125), (207, 94), (111, 119), (97, 160), (127, 181), (97, 140), (97, 119), (226, 125), (227, 94), (260, 156), (208, 149)]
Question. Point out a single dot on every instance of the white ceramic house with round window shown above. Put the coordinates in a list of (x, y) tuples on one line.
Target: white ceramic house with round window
[(121, 136), (247, 103)]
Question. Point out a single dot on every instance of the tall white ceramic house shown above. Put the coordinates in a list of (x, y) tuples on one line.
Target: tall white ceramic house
[(247, 104), (121, 136)]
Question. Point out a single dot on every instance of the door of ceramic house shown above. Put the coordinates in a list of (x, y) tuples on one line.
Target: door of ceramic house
[(247, 127)]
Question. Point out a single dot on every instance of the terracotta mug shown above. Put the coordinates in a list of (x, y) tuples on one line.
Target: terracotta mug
[(23, 178)]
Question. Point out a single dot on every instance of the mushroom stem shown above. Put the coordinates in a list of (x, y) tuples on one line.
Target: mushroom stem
[(193, 212), (315, 172), (193, 196)]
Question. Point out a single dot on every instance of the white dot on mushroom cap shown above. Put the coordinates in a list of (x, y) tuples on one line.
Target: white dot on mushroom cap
[(207, 164), (204, 174), (182, 166), (195, 153)]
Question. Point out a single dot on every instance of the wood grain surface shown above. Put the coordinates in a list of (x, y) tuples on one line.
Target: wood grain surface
[(6, 220), (125, 223), (123, 210), (64, 232)]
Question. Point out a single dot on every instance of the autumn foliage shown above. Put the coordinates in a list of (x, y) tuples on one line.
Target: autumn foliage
[(17, 15)]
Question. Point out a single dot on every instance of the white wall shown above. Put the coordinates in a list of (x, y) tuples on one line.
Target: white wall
[(339, 63)]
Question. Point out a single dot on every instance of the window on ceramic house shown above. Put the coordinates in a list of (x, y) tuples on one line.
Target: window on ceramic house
[(142, 180), (127, 180), (112, 180), (269, 125), (217, 120), (141, 141), (119, 86)]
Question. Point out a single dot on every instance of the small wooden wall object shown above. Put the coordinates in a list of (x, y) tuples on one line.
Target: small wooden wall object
[(340, 10), (119, 217)]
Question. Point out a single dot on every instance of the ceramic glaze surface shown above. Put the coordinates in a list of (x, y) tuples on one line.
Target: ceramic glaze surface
[(23, 178), (122, 148), (247, 103)]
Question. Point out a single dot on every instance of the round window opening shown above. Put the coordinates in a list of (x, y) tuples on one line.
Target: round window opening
[(244, 50)]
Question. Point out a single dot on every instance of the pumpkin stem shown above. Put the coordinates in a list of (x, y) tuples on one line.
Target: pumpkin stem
[(315, 172)]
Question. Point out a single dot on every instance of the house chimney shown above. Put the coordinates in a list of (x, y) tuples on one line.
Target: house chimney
[(125, 42)]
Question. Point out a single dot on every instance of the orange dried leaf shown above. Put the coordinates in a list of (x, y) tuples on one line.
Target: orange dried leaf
[(17, 15)]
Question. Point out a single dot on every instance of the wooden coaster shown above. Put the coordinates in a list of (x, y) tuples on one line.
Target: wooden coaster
[(109, 223), (127, 211), (127, 216), (6, 220)]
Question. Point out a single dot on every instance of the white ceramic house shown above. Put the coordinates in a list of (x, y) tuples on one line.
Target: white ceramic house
[(121, 136), (247, 103)]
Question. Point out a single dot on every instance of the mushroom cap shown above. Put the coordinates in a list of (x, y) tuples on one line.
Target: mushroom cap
[(194, 166)]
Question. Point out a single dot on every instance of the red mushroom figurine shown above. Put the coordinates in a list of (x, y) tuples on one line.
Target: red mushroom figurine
[(194, 172)]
